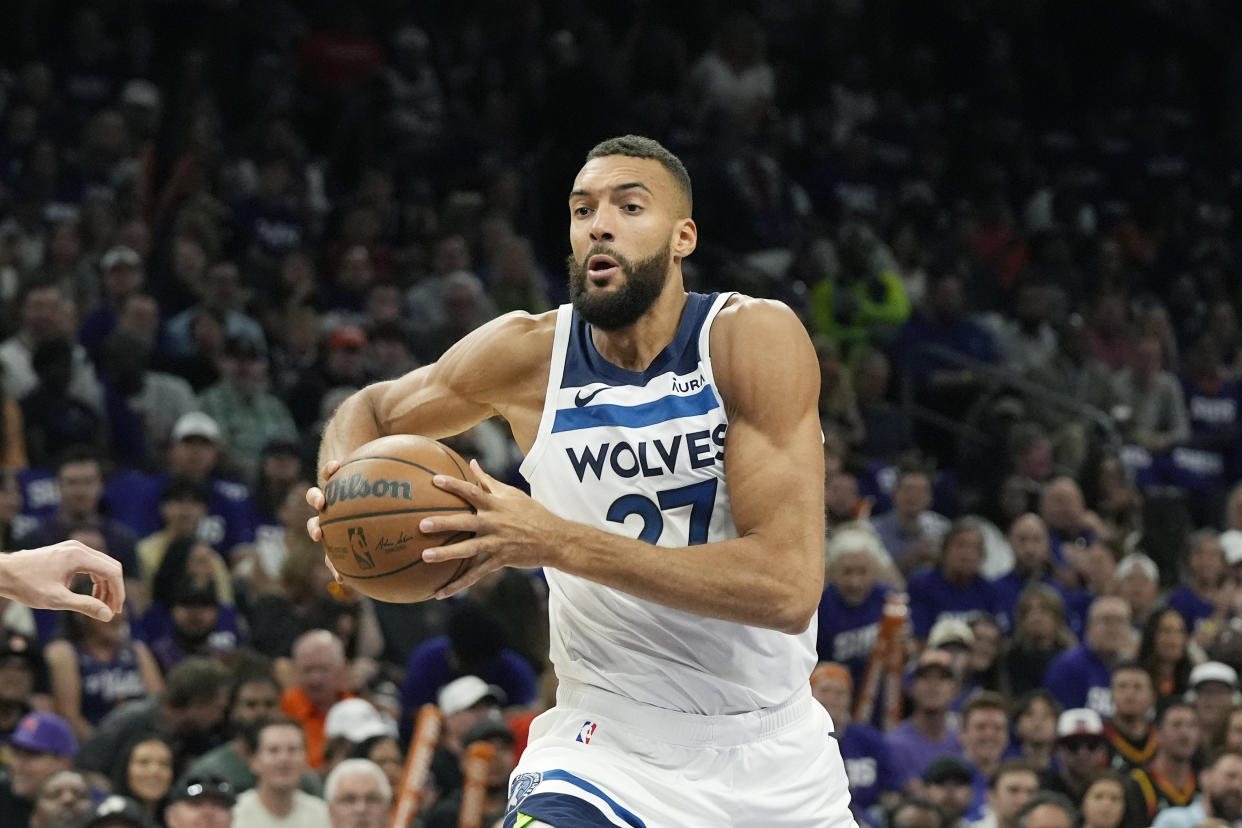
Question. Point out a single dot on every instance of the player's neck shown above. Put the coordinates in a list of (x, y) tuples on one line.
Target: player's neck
[(634, 348)]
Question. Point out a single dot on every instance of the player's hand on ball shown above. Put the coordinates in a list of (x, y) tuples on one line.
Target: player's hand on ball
[(510, 529), (316, 500)]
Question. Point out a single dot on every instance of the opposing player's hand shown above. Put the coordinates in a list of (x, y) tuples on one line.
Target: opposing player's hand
[(316, 500), (510, 529), (40, 578)]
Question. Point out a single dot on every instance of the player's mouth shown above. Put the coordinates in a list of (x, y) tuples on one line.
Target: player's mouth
[(601, 269)]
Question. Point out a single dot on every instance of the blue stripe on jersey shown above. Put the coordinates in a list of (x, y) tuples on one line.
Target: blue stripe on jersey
[(564, 809), (667, 408), (584, 365)]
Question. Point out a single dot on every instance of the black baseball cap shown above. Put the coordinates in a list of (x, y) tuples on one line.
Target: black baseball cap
[(198, 786), (948, 768)]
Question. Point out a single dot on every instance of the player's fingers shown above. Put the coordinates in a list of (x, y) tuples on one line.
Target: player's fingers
[(85, 604), (85, 559), (486, 482), (315, 498), (328, 469), (472, 493), (335, 575), (453, 551), (459, 522), (110, 594), (312, 528)]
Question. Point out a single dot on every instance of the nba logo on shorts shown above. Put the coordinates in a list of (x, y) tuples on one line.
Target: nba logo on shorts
[(586, 732)]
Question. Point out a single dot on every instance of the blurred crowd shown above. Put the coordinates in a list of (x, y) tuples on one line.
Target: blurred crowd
[(1012, 230)]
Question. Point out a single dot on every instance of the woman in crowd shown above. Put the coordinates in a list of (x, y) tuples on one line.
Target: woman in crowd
[(1164, 652), (1035, 728), (1229, 735), (1104, 802), (955, 586), (1040, 635), (187, 558), (853, 598), (96, 665), (145, 773)]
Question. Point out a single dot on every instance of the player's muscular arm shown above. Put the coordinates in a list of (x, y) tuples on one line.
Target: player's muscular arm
[(770, 576), (475, 379)]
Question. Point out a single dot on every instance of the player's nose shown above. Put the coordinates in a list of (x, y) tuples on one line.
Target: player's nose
[(601, 227)]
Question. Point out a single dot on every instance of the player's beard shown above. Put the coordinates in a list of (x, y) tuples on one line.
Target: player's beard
[(644, 281)]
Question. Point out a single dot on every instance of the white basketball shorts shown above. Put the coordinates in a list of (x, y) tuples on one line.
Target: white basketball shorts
[(598, 760)]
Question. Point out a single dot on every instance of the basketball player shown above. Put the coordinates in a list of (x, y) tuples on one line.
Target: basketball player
[(39, 579), (674, 455)]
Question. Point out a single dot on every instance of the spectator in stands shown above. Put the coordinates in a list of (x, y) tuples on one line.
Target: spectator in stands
[(189, 714), (1220, 784), (1158, 419), (1080, 752), (911, 532), (984, 668), (349, 723), (277, 748), (155, 399), (842, 503), (885, 431), (948, 784), (1047, 810), (280, 467), (197, 801), (1137, 581), (55, 419), (248, 414), (928, 732), (358, 794), (385, 751), (1130, 732), (463, 702), (42, 745), (133, 498), (446, 813), (1011, 786), (44, 317), (1104, 803), (1204, 600), (63, 799), (23, 678), (1032, 553), (1213, 690), (196, 625), (1168, 781), (121, 276), (220, 292), (1074, 374), (183, 506), (1081, 676), (189, 568), (1040, 635), (145, 773), (1229, 736), (874, 783), (342, 363), (1071, 527), (954, 587), (1035, 717), (985, 738), (322, 680), (913, 812), (1212, 407), (1163, 652), (96, 667), (853, 599), (474, 646), (838, 407)]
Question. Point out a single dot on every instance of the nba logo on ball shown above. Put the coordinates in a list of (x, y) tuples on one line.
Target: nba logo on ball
[(586, 732), (358, 545)]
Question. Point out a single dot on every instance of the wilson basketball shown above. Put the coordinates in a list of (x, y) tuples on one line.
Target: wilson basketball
[(373, 505)]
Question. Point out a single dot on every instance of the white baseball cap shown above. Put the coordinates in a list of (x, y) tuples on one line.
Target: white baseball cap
[(1079, 721), (1213, 671), (465, 692), (356, 720), (949, 631), (1231, 542), (196, 424)]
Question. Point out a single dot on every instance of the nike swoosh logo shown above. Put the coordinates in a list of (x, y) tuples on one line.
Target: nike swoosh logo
[(580, 400)]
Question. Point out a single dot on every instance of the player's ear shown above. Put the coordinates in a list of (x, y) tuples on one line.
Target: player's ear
[(686, 238)]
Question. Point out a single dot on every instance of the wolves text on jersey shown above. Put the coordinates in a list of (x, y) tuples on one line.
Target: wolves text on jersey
[(650, 458)]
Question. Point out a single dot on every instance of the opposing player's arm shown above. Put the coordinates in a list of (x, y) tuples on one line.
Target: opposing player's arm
[(464, 387), (770, 576)]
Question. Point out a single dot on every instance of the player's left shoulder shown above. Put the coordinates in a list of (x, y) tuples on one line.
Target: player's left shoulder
[(749, 330)]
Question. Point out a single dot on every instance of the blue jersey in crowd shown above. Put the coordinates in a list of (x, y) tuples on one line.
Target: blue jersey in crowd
[(1194, 608), (847, 634), (134, 499), (933, 598), (1010, 585), (869, 766), (428, 670), (1077, 678), (106, 684)]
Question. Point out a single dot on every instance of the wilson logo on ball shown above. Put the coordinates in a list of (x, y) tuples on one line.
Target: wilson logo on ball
[(357, 487)]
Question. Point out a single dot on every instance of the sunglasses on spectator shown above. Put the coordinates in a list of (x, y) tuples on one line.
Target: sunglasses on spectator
[(1076, 743)]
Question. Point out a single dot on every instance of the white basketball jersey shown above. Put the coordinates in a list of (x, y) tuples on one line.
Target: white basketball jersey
[(642, 454)]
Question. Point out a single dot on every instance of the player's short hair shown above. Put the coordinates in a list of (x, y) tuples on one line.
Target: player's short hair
[(637, 146)]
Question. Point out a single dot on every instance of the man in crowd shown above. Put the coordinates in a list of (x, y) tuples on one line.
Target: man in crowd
[(1220, 798), (200, 802), (1168, 780), (322, 676), (43, 745), (1130, 732), (277, 750), (1214, 687), (1047, 810), (948, 783), (358, 795), (1082, 676), (1080, 751), (984, 737), (928, 732), (1012, 786)]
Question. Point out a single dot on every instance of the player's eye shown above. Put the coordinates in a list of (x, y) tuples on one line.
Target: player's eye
[(632, 208), (582, 211)]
